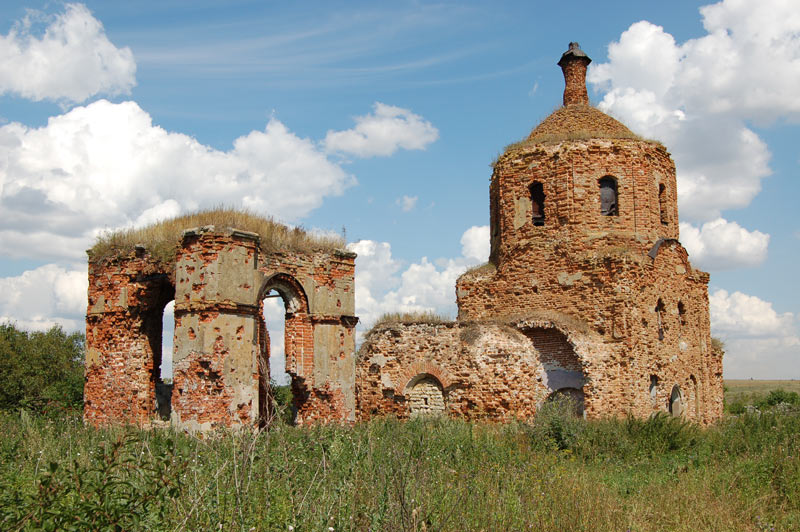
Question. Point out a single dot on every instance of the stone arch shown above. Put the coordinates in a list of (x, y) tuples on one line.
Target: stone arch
[(298, 342), (291, 291), (425, 395), (423, 367), (563, 368), (676, 401), (609, 196), (157, 296)]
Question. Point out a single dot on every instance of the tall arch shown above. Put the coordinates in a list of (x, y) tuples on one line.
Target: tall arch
[(425, 395), (298, 341)]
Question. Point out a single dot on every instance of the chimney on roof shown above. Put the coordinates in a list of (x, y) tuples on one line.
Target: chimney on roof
[(573, 63)]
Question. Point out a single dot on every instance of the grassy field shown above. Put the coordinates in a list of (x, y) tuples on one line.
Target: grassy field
[(556, 473), (737, 389)]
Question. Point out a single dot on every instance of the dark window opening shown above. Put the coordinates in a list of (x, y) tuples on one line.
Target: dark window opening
[(537, 201), (682, 313), (608, 196), (662, 204), (660, 318)]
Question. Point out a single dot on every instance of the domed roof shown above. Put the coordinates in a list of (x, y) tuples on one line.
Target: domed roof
[(578, 121)]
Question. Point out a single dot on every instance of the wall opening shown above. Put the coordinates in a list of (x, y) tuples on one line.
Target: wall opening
[(660, 318), (662, 204), (425, 395), (682, 313), (608, 196), (158, 325), (676, 401), (562, 367), (653, 390), (287, 350), (537, 203)]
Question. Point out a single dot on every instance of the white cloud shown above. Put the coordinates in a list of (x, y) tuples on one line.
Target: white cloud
[(738, 315), (697, 97), (106, 165), (49, 295), (384, 131), (407, 203), (758, 340), (73, 60), (384, 285), (475, 243), (723, 245)]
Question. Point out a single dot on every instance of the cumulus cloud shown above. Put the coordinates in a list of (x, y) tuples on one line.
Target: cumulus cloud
[(106, 165), (407, 203), (49, 295), (721, 245), (383, 132), (698, 96), (72, 61), (385, 284), (758, 340)]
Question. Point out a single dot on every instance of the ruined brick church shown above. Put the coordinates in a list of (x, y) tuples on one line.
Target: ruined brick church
[(587, 293)]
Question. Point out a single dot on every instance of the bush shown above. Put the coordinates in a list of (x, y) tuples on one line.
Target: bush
[(40, 368), (556, 424), (776, 397)]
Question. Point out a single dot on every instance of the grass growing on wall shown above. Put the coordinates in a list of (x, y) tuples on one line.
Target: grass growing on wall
[(557, 473), (162, 238)]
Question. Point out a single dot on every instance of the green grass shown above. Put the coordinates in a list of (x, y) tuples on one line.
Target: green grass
[(557, 473), (162, 238)]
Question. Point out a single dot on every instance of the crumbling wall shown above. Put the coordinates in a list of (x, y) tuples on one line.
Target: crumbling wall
[(221, 344), (485, 371), (126, 299)]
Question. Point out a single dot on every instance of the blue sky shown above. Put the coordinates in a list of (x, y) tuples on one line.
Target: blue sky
[(382, 119)]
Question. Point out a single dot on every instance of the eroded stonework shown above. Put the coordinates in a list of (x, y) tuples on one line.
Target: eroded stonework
[(221, 346), (588, 291)]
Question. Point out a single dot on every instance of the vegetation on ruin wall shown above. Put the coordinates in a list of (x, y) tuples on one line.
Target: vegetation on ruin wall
[(558, 473), (408, 318), (162, 238)]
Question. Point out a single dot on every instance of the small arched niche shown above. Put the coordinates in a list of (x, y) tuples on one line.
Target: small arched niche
[(676, 401), (608, 196), (659, 310), (425, 395)]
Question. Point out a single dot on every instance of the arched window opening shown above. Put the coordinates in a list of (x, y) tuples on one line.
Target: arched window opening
[(676, 401), (425, 396), (660, 318), (682, 313), (608, 196), (537, 203), (653, 389), (280, 381), (662, 204)]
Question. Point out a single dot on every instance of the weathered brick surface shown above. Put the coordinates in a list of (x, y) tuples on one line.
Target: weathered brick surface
[(221, 349), (604, 304)]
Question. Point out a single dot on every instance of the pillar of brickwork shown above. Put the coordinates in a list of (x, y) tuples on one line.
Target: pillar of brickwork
[(217, 339), (127, 296)]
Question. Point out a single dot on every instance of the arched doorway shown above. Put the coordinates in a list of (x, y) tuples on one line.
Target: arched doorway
[(287, 361), (425, 396), (563, 371)]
